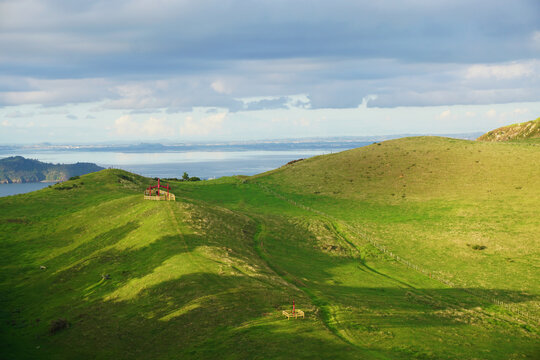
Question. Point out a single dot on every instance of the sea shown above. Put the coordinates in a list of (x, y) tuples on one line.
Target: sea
[(171, 162)]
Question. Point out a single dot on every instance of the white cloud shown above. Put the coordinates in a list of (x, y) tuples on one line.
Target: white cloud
[(446, 113), (470, 114), (20, 125), (204, 126), (124, 125), (536, 38), (220, 87), (18, 114), (491, 113), (520, 111), (500, 72), (366, 100), (153, 127), (55, 91), (302, 122), (54, 112)]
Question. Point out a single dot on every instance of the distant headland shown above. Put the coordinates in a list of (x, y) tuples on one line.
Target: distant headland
[(17, 169)]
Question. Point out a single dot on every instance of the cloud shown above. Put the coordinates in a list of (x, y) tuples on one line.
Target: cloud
[(272, 102), (54, 112), (445, 114), (536, 38), (220, 87), (204, 126), (55, 92), (18, 114), (302, 122), (520, 111), (501, 72), (6, 123), (491, 113), (133, 55), (72, 117), (152, 127)]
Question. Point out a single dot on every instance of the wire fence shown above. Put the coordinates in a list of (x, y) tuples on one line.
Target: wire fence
[(523, 314)]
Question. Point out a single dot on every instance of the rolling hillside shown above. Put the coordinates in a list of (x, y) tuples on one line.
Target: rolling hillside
[(416, 248), (523, 131)]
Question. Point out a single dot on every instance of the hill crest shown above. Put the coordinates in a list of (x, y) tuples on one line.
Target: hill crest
[(525, 130)]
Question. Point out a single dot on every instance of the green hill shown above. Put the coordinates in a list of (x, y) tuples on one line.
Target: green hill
[(416, 248), (523, 131), (17, 169)]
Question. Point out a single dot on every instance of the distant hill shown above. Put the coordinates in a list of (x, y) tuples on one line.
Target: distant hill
[(525, 130), (17, 169)]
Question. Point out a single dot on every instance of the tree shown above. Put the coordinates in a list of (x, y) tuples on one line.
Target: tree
[(185, 177)]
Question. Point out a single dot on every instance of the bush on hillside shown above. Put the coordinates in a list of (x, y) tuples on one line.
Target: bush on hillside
[(58, 325), (125, 177)]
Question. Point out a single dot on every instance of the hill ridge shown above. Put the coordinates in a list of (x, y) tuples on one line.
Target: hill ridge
[(519, 131)]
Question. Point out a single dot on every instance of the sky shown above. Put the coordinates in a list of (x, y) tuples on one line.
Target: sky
[(205, 70)]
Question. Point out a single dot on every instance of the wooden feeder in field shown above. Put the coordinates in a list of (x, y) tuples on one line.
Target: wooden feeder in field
[(295, 313), (153, 193)]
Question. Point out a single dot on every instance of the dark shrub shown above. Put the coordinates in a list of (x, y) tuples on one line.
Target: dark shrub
[(58, 325), (479, 247), (294, 161), (74, 177), (124, 177), (65, 187)]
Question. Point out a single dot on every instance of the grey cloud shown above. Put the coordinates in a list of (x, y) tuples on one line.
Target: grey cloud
[(278, 103), (72, 117), (336, 52)]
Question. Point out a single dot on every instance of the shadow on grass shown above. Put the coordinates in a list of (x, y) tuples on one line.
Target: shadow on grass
[(86, 249), (199, 315)]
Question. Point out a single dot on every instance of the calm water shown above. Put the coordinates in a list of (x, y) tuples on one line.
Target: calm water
[(14, 189), (204, 164)]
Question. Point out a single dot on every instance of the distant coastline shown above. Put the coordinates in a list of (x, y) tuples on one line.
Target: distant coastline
[(18, 170)]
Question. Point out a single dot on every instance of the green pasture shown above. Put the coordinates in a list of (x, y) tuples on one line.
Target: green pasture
[(207, 276)]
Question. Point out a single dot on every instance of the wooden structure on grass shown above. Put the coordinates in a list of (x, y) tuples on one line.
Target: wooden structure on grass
[(295, 313), (153, 193)]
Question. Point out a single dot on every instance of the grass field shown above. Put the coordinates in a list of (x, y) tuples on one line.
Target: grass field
[(207, 276)]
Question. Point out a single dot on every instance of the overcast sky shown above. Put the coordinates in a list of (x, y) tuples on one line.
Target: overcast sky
[(148, 70)]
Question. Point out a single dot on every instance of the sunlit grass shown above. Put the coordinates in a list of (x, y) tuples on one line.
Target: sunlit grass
[(208, 275)]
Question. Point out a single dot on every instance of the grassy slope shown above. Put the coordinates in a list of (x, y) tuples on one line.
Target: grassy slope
[(185, 279), (528, 131), (207, 276), (429, 198)]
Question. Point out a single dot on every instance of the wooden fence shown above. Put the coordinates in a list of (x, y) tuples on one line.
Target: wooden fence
[(169, 197)]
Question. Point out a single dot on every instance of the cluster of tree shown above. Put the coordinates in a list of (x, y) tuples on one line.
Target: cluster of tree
[(185, 177)]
